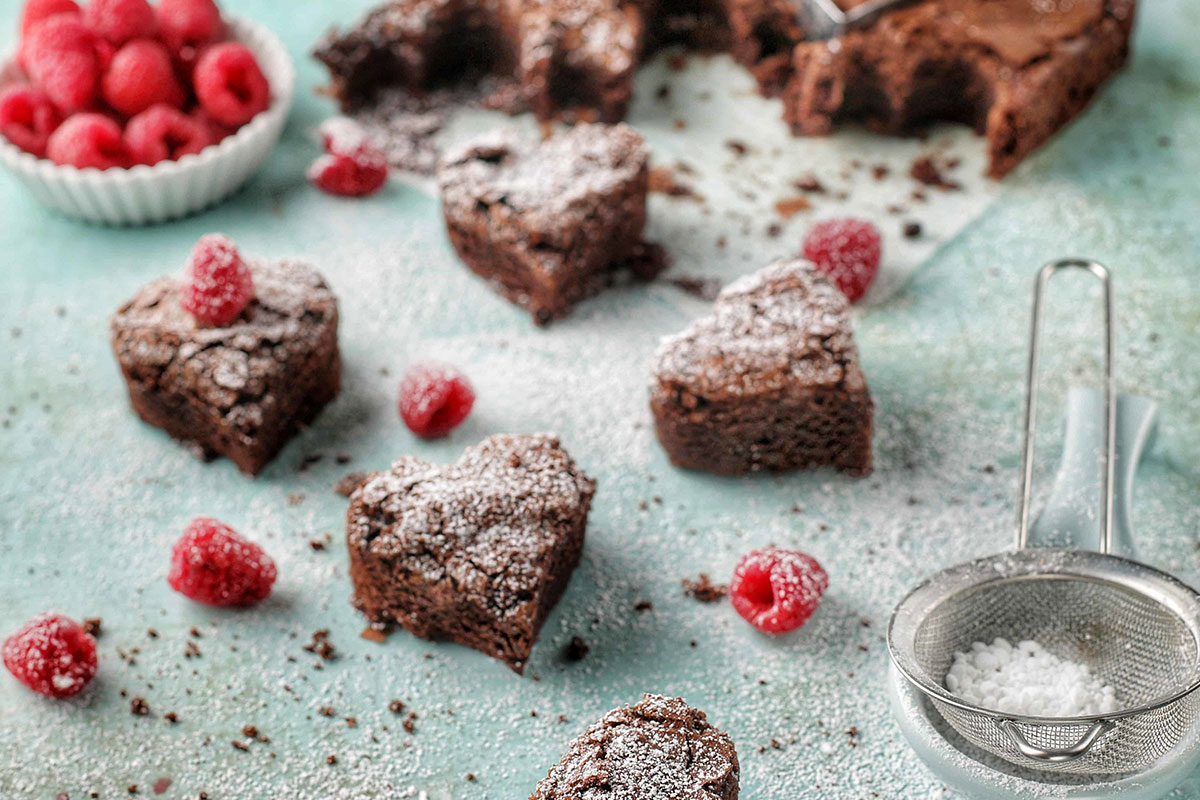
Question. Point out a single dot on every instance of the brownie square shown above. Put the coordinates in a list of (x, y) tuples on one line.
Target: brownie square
[(477, 552), (769, 381), (240, 391), (659, 749), (546, 222), (1015, 70)]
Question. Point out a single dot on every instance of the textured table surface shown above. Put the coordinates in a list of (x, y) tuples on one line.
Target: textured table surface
[(91, 499)]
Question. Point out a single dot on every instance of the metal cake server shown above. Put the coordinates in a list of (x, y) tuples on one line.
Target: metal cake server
[(825, 19)]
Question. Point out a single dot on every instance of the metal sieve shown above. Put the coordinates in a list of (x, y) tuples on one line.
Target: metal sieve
[(1137, 628)]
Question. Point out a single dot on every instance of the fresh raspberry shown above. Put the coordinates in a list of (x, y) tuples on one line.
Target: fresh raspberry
[(188, 23), (119, 21), (776, 591), (212, 564), (52, 655), (141, 75), (216, 283), (229, 84), (353, 166), (847, 250), (434, 399), (36, 11), (60, 55), (27, 118), (88, 140), (162, 133)]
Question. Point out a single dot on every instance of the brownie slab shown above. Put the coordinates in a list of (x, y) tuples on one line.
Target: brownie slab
[(769, 381), (546, 222), (1015, 70), (477, 552), (240, 391), (658, 749)]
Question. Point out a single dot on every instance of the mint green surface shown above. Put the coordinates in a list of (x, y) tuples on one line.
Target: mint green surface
[(91, 499)]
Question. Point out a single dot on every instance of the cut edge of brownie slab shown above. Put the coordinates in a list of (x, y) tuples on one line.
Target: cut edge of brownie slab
[(659, 749), (769, 381), (477, 551), (546, 222), (1015, 72), (241, 390)]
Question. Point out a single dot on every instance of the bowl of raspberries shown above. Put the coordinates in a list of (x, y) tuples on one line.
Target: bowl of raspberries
[(125, 113)]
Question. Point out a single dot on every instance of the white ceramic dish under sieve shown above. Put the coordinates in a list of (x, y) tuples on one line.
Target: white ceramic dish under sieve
[(168, 190)]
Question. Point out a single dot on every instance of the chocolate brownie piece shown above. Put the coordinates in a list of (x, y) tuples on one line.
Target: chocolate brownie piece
[(240, 391), (572, 59), (659, 749), (769, 381), (477, 552), (1015, 70), (546, 222)]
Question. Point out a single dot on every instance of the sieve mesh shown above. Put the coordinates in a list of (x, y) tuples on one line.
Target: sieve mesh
[(1130, 640)]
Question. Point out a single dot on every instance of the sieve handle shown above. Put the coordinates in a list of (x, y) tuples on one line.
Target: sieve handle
[(1108, 455), (1055, 756)]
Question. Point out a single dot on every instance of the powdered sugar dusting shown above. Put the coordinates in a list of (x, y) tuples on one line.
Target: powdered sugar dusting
[(659, 749), (783, 323)]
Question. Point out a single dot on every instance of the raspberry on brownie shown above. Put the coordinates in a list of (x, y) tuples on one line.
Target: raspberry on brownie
[(241, 389), (477, 552), (547, 222), (769, 381), (659, 749)]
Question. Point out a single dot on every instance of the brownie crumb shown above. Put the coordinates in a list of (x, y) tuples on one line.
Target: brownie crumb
[(703, 589), (663, 181), (319, 545), (645, 261), (139, 707), (171, 717), (880, 171), (704, 288), (343, 458), (912, 230), (409, 726), (326, 711), (809, 184), (91, 626), (250, 732), (738, 148), (331, 759), (644, 605), (791, 206), (375, 633), (321, 646), (396, 706), (349, 482), (240, 746), (576, 649), (927, 172)]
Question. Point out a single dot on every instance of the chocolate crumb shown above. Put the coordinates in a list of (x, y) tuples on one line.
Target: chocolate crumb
[(738, 148), (409, 727), (703, 589), (471, 776), (791, 206), (912, 230), (662, 181), (373, 633), (880, 171), (318, 545), (349, 482), (171, 717), (576, 649), (321, 646), (927, 172), (809, 184), (326, 711), (240, 746), (644, 605), (91, 626), (139, 707), (250, 732), (331, 759), (704, 288), (396, 706)]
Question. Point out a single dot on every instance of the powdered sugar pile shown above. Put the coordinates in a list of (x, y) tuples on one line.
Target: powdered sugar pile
[(1027, 679)]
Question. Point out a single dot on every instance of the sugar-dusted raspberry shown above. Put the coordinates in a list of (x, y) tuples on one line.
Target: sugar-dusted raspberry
[(434, 399), (141, 75), (118, 21), (88, 140), (213, 564), (189, 23), (229, 84), (27, 118), (52, 655), (60, 55), (847, 250), (354, 166), (217, 284), (776, 591), (162, 133)]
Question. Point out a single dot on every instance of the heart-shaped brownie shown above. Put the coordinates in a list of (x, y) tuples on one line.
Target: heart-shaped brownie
[(478, 551), (769, 381), (659, 749)]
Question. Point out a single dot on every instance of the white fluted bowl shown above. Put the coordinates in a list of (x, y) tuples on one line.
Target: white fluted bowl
[(144, 195)]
